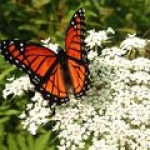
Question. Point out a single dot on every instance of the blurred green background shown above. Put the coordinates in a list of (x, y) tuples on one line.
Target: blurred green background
[(38, 19)]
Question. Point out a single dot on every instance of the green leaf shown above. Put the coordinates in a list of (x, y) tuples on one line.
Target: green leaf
[(4, 107), (4, 119), (40, 3), (29, 28), (42, 141), (51, 148), (30, 142), (22, 142), (3, 147), (6, 72), (9, 112), (12, 142)]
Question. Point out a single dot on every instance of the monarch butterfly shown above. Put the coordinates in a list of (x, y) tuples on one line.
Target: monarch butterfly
[(46, 69)]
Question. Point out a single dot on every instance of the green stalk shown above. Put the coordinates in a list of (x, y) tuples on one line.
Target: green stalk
[(6, 72)]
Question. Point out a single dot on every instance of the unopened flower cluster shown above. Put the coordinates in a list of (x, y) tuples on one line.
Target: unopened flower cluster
[(115, 115)]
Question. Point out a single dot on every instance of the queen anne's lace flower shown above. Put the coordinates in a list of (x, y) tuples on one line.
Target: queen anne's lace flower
[(18, 86), (115, 115), (37, 113), (98, 38), (48, 44), (132, 41)]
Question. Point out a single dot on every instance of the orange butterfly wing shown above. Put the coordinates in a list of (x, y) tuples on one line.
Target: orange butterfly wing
[(42, 66), (77, 57)]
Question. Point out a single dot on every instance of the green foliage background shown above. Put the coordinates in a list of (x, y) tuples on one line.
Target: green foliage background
[(38, 19)]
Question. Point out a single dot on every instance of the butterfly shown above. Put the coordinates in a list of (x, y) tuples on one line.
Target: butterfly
[(50, 72)]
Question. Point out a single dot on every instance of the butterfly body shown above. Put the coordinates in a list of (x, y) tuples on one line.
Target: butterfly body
[(51, 72), (62, 58)]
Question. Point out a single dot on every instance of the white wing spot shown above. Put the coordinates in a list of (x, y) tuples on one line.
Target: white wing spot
[(22, 49), (37, 78), (29, 71), (41, 89), (88, 86), (11, 42), (72, 22), (23, 66), (21, 44), (17, 61), (75, 26), (62, 100)]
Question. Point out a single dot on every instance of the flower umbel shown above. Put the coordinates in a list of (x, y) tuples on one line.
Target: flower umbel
[(98, 38), (37, 113), (18, 86), (48, 44), (115, 115), (132, 41)]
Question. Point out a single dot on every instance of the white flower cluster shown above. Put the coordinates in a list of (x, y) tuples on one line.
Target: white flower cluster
[(73, 124), (132, 42), (17, 87), (37, 113), (98, 38), (48, 44), (115, 115)]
